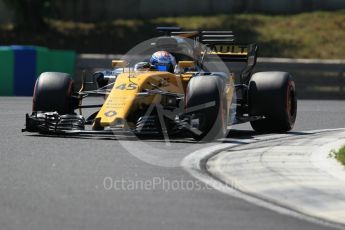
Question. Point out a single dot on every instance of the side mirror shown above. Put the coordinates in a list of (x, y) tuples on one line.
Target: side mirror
[(119, 63), (186, 64)]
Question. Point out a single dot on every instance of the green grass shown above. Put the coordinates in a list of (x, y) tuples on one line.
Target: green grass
[(340, 155), (306, 35)]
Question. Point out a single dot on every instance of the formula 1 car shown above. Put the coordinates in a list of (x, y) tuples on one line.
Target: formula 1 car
[(196, 98)]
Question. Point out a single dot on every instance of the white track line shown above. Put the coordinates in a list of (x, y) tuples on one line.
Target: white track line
[(197, 162)]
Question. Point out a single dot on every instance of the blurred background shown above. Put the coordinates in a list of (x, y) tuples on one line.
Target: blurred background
[(284, 28), (311, 30)]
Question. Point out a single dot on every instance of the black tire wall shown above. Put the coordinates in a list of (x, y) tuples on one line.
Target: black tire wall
[(53, 92)]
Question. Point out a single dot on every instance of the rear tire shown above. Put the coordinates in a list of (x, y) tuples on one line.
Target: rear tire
[(204, 101), (273, 95), (53, 92)]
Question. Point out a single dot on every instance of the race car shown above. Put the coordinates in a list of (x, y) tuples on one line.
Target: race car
[(181, 89)]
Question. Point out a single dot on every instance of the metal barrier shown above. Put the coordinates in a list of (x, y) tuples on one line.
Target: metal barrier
[(315, 79)]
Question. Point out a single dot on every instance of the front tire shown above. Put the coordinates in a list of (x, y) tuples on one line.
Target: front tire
[(204, 102), (53, 92), (272, 95)]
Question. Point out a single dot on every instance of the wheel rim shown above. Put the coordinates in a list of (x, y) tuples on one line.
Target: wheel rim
[(291, 104)]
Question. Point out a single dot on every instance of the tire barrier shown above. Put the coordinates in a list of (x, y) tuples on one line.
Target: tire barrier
[(21, 65)]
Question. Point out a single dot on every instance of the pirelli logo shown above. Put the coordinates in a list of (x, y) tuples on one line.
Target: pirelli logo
[(229, 50)]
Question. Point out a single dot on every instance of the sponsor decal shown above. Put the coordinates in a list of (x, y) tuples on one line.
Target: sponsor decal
[(110, 113)]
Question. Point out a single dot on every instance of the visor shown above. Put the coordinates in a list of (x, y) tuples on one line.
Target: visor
[(162, 68)]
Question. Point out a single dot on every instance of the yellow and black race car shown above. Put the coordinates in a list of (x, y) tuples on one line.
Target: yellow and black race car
[(182, 89)]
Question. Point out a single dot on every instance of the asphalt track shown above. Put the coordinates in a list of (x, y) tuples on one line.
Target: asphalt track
[(58, 183)]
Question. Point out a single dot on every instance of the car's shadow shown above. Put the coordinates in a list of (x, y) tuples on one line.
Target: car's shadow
[(233, 136)]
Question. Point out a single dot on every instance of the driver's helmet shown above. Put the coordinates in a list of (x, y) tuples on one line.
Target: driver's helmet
[(163, 61)]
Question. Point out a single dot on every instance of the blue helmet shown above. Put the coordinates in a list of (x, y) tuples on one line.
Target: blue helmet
[(163, 61)]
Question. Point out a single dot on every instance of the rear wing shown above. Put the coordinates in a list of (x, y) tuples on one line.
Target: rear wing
[(220, 44), (223, 45)]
